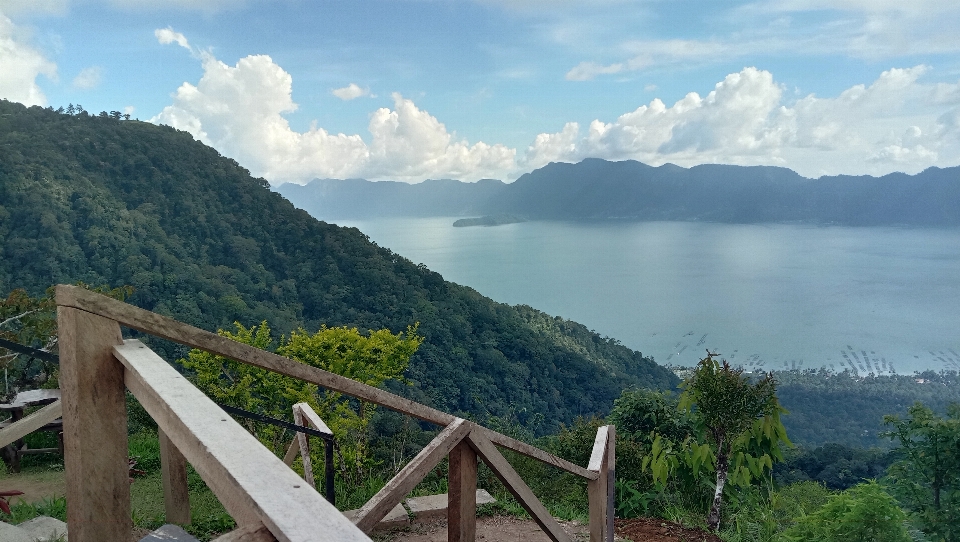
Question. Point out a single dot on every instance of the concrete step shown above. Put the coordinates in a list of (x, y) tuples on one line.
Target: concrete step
[(397, 517), (435, 506), (38, 529), (169, 533)]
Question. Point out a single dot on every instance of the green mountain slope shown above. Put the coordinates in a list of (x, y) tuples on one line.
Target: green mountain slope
[(125, 202)]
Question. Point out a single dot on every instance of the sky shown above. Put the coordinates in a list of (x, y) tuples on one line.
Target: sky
[(467, 89)]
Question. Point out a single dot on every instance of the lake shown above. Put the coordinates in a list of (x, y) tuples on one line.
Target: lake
[(766, 296)]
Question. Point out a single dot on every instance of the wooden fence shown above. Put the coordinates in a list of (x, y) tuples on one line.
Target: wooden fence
[(264, 496)]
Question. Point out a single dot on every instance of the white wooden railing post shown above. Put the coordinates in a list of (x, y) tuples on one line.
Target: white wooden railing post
[(94, 428)]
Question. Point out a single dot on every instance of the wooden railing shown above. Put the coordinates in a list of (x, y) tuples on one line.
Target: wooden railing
[(266, 498)]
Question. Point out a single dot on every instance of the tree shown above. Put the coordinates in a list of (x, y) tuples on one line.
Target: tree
[(927, 479), (727, 407)]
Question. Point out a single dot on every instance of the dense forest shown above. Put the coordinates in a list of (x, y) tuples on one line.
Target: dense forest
[(102, 200), (598, 189), (828, 407)]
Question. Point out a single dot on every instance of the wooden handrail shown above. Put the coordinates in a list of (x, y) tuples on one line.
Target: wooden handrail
[(254, 485), (178, 332), (267, 499)]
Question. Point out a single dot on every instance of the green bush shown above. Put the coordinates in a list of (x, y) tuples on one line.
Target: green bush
[(863, 513)]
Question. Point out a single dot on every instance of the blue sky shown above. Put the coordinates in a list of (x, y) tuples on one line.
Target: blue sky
[(416, 89)]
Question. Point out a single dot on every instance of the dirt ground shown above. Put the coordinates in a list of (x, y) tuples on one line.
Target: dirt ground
[(492, 529), (510, 529), (34, 485), (659, 530)]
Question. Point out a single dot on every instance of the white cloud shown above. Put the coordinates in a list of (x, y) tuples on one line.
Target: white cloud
[(239, 110), (20, 65), (88, 78), (894, 124), (350, 92), (168, 35)]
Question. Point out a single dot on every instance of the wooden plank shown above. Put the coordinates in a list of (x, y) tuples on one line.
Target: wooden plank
[(252, 484), (409, 476), (599, 449), (536, 453), (24, 426), (462, 494), (292, 452), (597, 489), (515, 485), (304, 445), (312, 418), (253, 533), (173, 472), (94, 428), (167, 328)]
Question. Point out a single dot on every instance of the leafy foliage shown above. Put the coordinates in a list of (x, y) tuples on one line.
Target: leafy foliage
[(105, 201), (864, 513), (371, 359), (927, 479)]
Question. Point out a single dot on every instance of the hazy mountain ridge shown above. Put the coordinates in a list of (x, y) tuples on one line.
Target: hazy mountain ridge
[(598, 189)]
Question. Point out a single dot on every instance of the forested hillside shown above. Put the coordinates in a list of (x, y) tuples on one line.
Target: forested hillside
[(106, 201), (843, 408)]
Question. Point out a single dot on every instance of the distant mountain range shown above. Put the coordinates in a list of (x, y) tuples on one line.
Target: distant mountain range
[(597, 189)]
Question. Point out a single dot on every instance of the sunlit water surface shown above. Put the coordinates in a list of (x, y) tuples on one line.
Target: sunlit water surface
[(770, 296)]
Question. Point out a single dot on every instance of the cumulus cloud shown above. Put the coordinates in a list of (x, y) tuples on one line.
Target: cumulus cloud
[(240, 111), (168, 35), (350, 92), (88, 78), (895, 123), (20, 65)]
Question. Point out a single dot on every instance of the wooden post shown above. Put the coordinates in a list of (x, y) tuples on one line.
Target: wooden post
[(304, 448), (462, 494), (599, 490), (173, 466), (94, 428), (611, 480)]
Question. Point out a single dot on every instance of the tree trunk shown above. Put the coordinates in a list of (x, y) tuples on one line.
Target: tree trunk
[(713, 519)]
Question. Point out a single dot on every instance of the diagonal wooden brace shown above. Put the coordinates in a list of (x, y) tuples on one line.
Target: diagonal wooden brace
[(397, 488)]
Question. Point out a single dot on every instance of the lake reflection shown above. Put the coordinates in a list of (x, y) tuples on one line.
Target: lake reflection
[(774, 296)]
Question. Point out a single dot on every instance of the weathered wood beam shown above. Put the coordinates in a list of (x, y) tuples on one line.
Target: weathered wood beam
[(462, 494), (410, 475), (516, 486), (24, 426), (253, 485), (173, 472), (304, 444), (597, 489), (94, 428)]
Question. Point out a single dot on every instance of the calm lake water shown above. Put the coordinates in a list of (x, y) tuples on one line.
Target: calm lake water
[(773, 296)]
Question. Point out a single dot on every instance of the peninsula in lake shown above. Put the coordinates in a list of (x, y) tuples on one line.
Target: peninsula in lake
[(489, 220), (597, 189)]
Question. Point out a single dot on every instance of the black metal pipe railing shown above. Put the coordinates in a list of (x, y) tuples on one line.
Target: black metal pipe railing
[(327, 438)]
